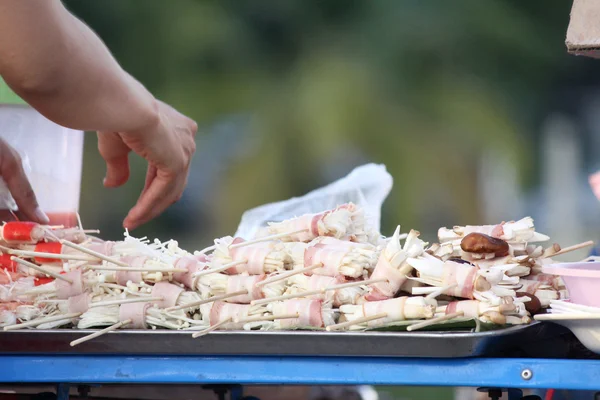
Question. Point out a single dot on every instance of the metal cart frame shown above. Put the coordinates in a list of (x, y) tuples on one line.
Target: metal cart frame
[(236, 370)]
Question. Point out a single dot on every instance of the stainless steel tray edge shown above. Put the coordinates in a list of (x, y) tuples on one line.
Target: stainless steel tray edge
[(270, 343)]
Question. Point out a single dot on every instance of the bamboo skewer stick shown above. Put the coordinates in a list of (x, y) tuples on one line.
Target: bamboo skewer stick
[(287, 297), (99, 333), (571, 248), (286, 275), (212, 328), (551, 251), (219, 269), (264, 318), (205, 301), (356, 321), (266, 238), (93, 253), (79, 221), (434, 321), (40, 269), (124, 301), (437, 293), (134, 269), (356, 283), (40, 321), (427, 290)]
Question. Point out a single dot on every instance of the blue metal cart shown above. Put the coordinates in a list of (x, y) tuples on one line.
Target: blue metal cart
[(508, 373)]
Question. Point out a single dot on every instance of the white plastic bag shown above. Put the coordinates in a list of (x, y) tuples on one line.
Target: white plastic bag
[(366, 186)]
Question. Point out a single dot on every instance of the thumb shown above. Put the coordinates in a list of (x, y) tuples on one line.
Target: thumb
[(11, 170), (115, 153)]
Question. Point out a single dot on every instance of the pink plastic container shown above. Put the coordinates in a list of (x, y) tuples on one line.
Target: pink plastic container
[(582, 280)]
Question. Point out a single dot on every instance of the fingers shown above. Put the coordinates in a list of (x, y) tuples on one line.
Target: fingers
[(150, 175), (164, 190), (11, 170), (116, 155)]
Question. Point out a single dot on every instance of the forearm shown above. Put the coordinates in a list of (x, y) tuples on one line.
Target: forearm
[(61, 68)]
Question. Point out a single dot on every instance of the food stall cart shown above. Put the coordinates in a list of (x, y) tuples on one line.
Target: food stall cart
[(528, 357), (535, 356)]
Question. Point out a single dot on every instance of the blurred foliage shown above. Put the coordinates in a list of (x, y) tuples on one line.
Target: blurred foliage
[(420, 86)]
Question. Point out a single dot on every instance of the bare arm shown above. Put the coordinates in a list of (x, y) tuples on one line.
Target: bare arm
[(62, 69)]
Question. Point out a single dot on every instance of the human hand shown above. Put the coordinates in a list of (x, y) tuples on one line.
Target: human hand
[(13, 174), (168, 145)]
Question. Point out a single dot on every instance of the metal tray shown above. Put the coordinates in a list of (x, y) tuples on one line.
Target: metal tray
[(266, 343)]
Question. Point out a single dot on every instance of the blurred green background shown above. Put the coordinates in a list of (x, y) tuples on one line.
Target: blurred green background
[(468, 103)]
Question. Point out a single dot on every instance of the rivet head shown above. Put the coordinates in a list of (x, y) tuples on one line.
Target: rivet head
[(526, 374)]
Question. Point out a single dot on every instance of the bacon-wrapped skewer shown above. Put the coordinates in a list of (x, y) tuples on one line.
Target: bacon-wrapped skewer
[(162, 295), (521, 231), (350, 262), (222, 284), (479, 247), (78, 282), (255, 259), (221, 315), (307, 314), (344, 222), (453, 278), (13, 311), (140, 316), (137, 269), (337, 257), (301, 283), (374, 314), (511, 312), (392, 265), (553, 281), (543, 291), (366, 249), (40, 316)]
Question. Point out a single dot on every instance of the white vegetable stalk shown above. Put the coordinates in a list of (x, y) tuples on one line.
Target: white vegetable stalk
[(228, 312), (347, 262), (296, 252), (211, 284), (543, 291), (276, 259), (393, 266)]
